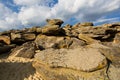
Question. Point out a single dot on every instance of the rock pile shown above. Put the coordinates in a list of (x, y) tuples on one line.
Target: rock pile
[(79, 52)]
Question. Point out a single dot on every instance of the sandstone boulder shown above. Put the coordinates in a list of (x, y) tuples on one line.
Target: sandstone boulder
[(52, 30), (83, 59), (88, 39), (44, 41), (86, 24), (28, 36), (17, 38), (113, 73), (5, 39), (48, 73), (27, 50), (117, 39), (54, 22), (113, 54)]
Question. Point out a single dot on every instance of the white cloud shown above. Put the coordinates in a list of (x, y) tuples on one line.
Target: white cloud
[(33, 2), (107, 20), (35, 12), (8, 19), (34, 15)]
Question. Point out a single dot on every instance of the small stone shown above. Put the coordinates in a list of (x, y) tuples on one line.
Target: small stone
[(54, 22), (29, 36)]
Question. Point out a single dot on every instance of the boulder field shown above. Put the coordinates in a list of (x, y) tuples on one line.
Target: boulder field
[(54, 52)]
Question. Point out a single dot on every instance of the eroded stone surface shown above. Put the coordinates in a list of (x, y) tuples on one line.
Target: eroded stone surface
[(84, 59)]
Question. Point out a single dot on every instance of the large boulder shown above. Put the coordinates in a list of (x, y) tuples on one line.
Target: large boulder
[(45, 42), (27, 50), (54, 22), (117, 39), (81, 59), (87, 39), (69, 43), (28, 36), (113, 73), (52, 30), (84, 24), (50, 73), (17, 38), (113, 54)]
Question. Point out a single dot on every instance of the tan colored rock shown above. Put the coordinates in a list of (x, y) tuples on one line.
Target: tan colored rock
[(113, 54), (52, 73), (52, 30), (113, 73), (27, 50), (76, 25), (86, 24), (15, 36), (81, 59), (113, 25), (86, 38), (54, 22), (5, 39), (39, 30), (29, 36), (70, 43), (44, 41), (117, 39)]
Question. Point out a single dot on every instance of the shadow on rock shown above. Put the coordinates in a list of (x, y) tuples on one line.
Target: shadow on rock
[(16, 70)]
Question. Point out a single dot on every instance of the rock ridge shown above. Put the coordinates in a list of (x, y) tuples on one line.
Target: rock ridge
[(54, 52)]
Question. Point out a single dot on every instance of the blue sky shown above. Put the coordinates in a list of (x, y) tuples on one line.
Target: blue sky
[(17, 14)]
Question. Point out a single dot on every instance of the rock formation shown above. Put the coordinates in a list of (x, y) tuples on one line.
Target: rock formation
[(51, 52)]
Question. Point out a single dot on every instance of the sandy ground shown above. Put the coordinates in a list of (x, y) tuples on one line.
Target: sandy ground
[(17, 69)]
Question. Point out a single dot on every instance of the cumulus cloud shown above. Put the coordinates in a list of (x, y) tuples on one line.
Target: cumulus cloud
[(35, 12), (8, 19)]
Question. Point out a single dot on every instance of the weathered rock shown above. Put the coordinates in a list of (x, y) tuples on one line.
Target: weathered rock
[(69, 43), (113, 25), (6, 48), (117, 39), (54, 22), (86, 24), (80, 25), (29, 36), (17, 38), (113, 54), (88, 39), (84, 59), (52, 30), (39, 30), (81, 30), (5, 39), (113, 73), (33, 29), (44, 41), (48, 73), (27, 50)]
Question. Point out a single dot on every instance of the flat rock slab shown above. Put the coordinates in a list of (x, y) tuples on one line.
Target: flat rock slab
[(84, 59)]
